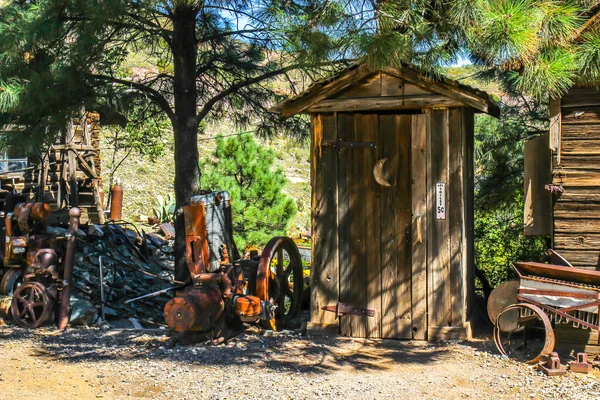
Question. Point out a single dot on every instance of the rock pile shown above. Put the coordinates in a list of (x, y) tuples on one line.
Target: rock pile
[(133, 264)]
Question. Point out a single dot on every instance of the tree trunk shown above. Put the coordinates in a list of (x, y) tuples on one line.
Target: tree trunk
[(185, 126)]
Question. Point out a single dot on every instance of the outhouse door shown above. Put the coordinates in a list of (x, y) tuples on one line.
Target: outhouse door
[(381, 225)]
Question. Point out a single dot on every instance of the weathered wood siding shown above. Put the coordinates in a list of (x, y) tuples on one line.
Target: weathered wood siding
[(324, 278), (576, 166), (450, 254)]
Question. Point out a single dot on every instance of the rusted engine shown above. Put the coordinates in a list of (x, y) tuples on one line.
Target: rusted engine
[(225, 287), (38, 265)]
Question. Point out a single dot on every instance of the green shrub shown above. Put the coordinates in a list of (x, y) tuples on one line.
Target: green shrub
[(245, 169)]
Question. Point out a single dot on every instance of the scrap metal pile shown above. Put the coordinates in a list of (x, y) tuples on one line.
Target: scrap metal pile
[(33, 278), (111, 272), (130, 264)]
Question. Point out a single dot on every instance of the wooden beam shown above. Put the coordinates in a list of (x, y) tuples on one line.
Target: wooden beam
[(555, 124), (384, 103), (582, 178), (438, 230), (454, 92), (419, 226), (324, 275), (456, 217), (322, 91), (576, 226), (328, 88)]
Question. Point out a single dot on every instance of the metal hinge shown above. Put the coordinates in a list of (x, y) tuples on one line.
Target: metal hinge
[(341, 309)]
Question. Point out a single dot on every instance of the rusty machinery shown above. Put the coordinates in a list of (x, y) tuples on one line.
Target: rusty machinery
[(38, 265), (226, 288), (526, 312)]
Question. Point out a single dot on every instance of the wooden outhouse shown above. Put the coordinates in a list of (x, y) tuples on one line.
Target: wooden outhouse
[(392, 202), (562, 178)]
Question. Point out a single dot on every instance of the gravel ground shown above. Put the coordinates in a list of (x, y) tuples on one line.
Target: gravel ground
[(119, 364)]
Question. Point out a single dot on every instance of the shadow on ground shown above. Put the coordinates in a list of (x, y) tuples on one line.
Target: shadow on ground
[(278, 352)]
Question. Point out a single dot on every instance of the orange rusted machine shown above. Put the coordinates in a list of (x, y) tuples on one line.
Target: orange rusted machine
[(226, 288), (38, 264)]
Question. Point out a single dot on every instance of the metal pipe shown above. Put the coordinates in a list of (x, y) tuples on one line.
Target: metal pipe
[(116, 201), (154, 294), (65, 297), (101, 288)]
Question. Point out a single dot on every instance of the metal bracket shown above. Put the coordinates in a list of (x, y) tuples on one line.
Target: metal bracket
[(341, 309), (340, 146)]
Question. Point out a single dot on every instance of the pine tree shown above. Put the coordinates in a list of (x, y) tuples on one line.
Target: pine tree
[(217, 58), (213, 59), (245, 169), (538, 47)]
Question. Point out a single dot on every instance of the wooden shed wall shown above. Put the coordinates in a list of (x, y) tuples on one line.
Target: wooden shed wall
[(576, 166), (450, 241), (444, 153)]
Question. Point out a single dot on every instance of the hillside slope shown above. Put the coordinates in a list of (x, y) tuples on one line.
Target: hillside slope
[(143, 180)]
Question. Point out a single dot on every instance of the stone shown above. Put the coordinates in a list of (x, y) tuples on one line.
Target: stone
[(82, 313), (131, 235), (124, 251), (80, 234), (56, 230), (110, 311), (95, 230)]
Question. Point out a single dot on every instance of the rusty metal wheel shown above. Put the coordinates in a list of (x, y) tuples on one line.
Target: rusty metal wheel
[(11, 280), (524, 332), (31, 306), (279, 280)]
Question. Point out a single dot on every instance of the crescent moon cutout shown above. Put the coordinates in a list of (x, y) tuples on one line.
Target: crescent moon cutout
[(378, 173)]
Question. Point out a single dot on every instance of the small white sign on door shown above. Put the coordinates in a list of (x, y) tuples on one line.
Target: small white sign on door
[(440, 200)]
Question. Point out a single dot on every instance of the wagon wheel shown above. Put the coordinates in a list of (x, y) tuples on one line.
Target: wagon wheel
[(31, 305), (524, 332), (279, 280), (11, 280)]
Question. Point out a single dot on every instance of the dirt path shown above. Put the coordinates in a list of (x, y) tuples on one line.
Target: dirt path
[(121, 364)]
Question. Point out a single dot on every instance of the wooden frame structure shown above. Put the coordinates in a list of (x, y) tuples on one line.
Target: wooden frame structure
[(392, 202), (68, 174)]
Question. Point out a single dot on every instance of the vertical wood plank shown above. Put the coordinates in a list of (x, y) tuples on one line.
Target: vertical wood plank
[(345, 122), (324, 270), (555, 125), (356, 224), (455, 212), (369, 132), (469, 184), (419, 226), (439, 233), (388, 148), (403, 286)]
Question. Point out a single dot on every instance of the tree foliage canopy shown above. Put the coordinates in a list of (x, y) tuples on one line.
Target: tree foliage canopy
[(218, 59), (209, 59)]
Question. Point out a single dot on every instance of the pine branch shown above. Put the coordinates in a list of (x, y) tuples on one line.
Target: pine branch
[(225, 34), (250, 81), (155, 95), (589, 24)]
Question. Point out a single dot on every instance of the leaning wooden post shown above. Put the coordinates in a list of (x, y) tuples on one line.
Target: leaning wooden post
[(65, 297)]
